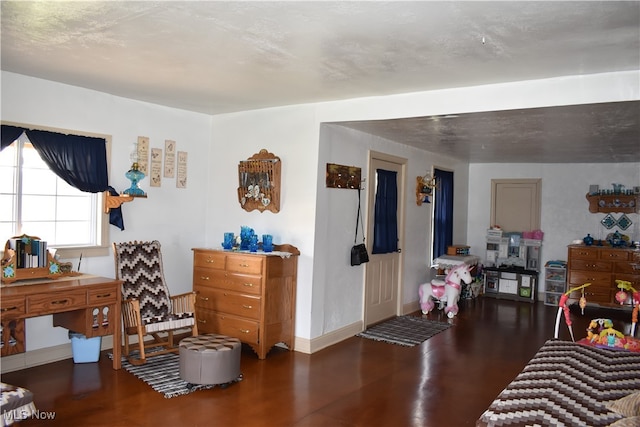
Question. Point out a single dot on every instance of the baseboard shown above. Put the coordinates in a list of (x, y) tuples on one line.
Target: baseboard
[(411, 307), (43, 356), (307, 346)]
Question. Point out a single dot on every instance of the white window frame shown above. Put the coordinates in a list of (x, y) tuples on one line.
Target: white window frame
[(102, 221)]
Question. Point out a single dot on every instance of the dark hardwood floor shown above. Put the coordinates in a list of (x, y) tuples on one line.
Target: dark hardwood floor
[(449, 380)]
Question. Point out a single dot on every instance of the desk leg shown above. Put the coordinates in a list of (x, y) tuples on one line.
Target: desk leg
[(117, 335)]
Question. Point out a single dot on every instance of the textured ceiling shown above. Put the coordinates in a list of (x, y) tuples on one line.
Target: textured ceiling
[(217, 57)]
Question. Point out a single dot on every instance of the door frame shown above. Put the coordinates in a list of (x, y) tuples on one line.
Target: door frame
[(402, 185)]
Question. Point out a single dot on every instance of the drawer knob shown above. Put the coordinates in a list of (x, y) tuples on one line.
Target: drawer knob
[(247, 306), (209, 260), (249, 285), (61, 301), (202, 321), (204, 277), (5, 309), (244, 265), (103, 296), (204, 298), (244, 331)]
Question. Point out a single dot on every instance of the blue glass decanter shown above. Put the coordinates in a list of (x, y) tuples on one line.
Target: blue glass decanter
[(135, 176)]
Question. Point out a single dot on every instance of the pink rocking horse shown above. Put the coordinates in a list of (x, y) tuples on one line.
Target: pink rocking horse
[(447, 290)]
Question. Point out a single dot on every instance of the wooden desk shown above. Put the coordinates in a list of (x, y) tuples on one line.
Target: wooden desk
[(85, 304)]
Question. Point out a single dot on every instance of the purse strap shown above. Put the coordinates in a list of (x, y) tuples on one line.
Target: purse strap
[(358, 221)]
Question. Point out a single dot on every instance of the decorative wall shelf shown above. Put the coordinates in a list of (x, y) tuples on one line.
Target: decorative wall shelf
[(112, 202), (259, 182), (607, 203), (424, 188)]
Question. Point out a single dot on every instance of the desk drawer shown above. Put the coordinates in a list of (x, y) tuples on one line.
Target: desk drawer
[(12, 307), (46, 303), (103, 296)]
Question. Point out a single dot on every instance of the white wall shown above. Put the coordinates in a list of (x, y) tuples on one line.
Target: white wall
[(565, 212), (176, 217), (338, 291), (289, 133), (200, 214)]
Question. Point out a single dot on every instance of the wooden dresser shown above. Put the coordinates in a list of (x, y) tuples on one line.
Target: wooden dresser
[(250, 296), (601, 266)]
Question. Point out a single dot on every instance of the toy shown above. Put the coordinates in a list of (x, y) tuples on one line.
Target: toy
[(447, 290), (600, 332)]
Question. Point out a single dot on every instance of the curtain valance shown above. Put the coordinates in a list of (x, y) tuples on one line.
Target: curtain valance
[(81, 161)]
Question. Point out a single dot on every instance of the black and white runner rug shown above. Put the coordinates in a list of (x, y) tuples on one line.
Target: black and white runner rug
[(162, 373), (407, 331)]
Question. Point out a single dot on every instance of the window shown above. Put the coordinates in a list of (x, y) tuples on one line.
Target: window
[(35, 201)]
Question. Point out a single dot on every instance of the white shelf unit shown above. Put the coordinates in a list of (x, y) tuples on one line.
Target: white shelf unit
[(555, 284)]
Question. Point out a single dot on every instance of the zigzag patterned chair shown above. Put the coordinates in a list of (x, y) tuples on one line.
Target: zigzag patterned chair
[(147, 307)]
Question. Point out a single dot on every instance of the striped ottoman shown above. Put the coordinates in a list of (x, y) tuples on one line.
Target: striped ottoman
[(210, 359)]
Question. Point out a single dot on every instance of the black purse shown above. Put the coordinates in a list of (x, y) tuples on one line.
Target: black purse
[(359, 253)]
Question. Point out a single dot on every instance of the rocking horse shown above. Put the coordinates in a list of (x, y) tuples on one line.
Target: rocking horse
[(447, 290)]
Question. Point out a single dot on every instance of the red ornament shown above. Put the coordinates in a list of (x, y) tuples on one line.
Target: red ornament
[(621, 297)]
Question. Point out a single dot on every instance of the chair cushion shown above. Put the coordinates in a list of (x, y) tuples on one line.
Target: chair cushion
[(168, 321), (140, 267)]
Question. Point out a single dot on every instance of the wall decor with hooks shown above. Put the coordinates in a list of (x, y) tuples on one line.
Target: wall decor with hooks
[(259, 182), (340, 176), (424, 188)]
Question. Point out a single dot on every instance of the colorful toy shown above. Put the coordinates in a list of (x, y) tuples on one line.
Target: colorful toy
[(447, 290), (600, 332)]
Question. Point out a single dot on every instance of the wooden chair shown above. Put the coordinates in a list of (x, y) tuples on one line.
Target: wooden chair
[(147, 307)]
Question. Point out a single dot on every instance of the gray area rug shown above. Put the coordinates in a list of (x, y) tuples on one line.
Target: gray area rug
[(407, 331), (162, 373)]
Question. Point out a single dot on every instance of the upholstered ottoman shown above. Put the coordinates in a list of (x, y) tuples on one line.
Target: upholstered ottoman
[(210, 359)]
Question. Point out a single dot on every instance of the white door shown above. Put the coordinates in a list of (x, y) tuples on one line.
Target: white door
[(383, 271), (515, 204)]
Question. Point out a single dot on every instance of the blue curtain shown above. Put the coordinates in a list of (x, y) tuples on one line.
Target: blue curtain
[(385, 228), (443, 215), (79, 160), (8, 135)]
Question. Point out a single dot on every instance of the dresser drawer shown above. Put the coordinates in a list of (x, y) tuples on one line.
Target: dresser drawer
[(583, 253), (248, 264), (232, 326), (12, 307), (597, 279), (56, 302), (627, 267), (594, 294), (243, 283), (208, 277), (614, 254), (209, 259), (229, 302), (591, 265), (103, 296)]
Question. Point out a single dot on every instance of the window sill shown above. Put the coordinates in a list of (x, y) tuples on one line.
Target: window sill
[(85, 251)]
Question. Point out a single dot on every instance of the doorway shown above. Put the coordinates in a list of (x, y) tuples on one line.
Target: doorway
[(383, 272)]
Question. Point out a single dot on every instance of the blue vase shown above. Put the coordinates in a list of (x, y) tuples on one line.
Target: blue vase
[(588, 240)]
